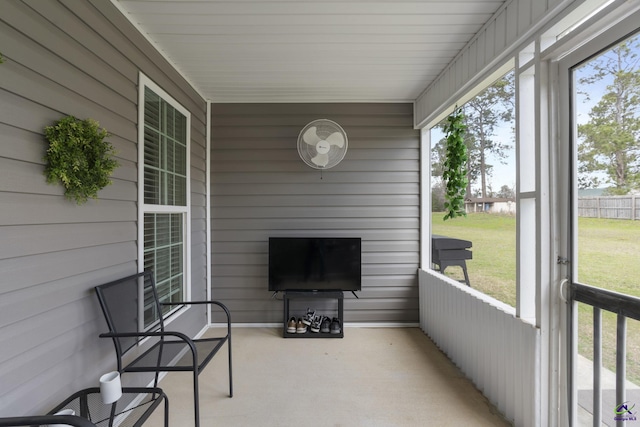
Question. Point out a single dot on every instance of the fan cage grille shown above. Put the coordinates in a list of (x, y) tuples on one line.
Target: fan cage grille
[(324, 129)]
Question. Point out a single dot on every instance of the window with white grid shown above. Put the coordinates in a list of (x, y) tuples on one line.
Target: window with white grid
[(163, 196)]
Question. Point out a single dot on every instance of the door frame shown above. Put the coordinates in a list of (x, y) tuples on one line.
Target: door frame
[(566, 196)]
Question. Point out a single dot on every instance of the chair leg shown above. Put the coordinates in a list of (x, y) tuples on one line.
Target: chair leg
[(196, 398), (166, 411), (230, 368)]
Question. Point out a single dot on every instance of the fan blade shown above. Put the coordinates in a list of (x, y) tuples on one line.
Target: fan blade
[(336, 138), (311, 136), (321, 160)]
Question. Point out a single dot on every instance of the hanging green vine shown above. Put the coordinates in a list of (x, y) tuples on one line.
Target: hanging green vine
[(455, 172), (78, 157)]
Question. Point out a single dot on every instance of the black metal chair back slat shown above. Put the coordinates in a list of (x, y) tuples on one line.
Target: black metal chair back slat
[(122, 304)]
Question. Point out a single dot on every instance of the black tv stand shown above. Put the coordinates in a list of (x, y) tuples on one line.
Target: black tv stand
[(301, 295)]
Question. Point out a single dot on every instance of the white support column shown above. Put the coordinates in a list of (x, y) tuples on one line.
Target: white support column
[(546, 300), (559, 196), (208, 207), (425, 199), (526, 189)]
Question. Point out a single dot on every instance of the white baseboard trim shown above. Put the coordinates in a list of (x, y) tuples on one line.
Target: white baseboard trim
[(347, 325), (381, 325), (246, 325), (203, 330)]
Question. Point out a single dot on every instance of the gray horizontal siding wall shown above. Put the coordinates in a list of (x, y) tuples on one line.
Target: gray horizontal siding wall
[(261, 188), (80, 58)]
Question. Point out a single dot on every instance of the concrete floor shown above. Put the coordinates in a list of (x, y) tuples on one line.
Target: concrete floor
[(371, 377), (584, 384)]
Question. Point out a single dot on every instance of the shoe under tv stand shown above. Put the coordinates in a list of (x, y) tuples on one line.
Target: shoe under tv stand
[(312, 295)]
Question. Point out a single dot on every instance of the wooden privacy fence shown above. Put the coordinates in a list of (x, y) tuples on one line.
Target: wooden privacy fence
[(614, 207)]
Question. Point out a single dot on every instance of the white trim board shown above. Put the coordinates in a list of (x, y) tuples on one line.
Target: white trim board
[(346, 325)]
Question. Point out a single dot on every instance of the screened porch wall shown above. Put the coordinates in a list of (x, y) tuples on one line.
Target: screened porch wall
[(261, 188), (512, 25), (496, 350), (80, 58)]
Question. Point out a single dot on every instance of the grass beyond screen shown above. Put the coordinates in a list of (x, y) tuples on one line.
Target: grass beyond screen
[(493, 267), (608, 257)]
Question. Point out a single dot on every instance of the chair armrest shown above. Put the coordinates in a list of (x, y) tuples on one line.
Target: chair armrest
[(71, 420), (147, 334), (218, 303), (195, 303)]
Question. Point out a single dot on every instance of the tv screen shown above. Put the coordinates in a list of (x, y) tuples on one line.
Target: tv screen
[(315, 263)]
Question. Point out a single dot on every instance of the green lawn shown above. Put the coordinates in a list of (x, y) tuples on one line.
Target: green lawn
[(608, 256), (493, 267)]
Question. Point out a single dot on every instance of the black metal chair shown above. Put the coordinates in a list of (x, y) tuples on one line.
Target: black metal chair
[(169, 351)]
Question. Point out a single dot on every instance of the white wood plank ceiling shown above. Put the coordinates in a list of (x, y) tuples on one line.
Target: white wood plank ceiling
[(310, 50)]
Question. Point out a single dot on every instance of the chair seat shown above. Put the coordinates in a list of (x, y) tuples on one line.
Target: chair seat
[(175, 355)]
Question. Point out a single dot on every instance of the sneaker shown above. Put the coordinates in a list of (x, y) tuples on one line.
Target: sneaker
[(315, 325), (301, 328), (336, 327), (291, 326), (308, 318), (325, 325)]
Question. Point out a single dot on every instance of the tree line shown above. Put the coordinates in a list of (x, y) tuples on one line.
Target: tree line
[(608, 140), (483, 115)]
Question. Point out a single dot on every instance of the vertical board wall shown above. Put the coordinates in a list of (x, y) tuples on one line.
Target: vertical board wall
[(80, 58), (261, 188)]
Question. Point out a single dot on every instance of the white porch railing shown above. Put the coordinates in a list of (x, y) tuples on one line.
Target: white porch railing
[(483, 337)]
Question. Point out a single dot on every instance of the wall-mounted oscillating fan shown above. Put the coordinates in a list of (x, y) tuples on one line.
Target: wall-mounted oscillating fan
[(322, 144)]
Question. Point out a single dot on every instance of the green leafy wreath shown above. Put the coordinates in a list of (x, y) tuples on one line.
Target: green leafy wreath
[(455, 165), (78, 157)]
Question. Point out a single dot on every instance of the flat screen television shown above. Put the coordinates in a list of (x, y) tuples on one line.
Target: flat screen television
[(315, 264)]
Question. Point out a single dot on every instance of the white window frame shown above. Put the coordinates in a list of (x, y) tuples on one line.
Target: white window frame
[(143, 208)]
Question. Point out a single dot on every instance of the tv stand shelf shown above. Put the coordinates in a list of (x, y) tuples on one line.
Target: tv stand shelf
[(310, 295)]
